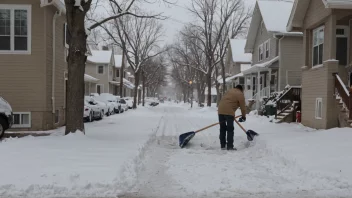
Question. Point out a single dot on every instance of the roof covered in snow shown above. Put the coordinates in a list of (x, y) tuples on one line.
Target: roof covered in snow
[(88, 78), (237, 49), (118, 60), (275, 14), (260, 66), (100, 56)]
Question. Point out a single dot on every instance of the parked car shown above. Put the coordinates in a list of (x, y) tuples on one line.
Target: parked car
[(129, 102), (108, 108), (112, 99), (92, 111), (104, 108), (123, 103), (6, 118)]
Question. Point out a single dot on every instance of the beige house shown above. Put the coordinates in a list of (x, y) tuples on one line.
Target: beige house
[(32, 62), (327, 61), (236, 62), (128, 84), (100, 65), (276, 52)]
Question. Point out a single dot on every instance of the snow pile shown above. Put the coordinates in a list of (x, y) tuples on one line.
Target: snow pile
[(104, 162)]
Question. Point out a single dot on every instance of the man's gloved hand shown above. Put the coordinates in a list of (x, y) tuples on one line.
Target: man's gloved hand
[(242, 119)]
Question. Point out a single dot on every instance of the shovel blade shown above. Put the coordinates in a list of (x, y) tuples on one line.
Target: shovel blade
[(251, 134), (185, 138)]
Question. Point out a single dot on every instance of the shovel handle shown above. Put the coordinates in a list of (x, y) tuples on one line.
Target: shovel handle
[(241, 126), (202, 129)]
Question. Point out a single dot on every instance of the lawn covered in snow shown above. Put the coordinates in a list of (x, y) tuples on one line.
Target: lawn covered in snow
[(136, 154)]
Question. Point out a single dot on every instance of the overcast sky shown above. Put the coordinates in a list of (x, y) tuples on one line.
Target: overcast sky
[(178, 16)]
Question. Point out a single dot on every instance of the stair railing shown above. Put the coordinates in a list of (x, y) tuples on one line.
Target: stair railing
[(344, 93)]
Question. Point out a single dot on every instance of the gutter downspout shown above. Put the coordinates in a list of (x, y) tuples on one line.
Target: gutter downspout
[(57, 15), (278, 72)]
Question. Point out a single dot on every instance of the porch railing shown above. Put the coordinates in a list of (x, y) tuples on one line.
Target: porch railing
[(344, 93), (288, 99), (265, 92)]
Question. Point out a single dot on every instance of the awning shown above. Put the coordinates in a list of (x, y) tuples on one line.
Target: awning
[(88, 78), (261, 66), (126, 83)]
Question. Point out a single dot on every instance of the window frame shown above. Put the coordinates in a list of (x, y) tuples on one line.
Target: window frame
[(57, 115), (12, 8), (267, 49), (318, 29), (103, 69), (260, 52), (117, 72), (317, 101), (29, 125)]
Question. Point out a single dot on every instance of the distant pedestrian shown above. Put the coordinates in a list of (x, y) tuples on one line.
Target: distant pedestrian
[(230, 102)]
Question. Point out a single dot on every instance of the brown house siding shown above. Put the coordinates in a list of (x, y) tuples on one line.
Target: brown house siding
[(319, 83), (316, 14), (290, 61), (25, 79)]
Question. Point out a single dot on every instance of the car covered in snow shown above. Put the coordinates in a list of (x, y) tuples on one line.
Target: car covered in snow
[(6, 119), (111, 99), (123, 103), (129, 102), (105, 107), (92, 111)]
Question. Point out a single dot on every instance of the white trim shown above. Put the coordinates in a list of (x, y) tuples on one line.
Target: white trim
[(317, 45), (317, 101), (12, 8), (29, 125), (101, 88), (103, 69), (65, 36)]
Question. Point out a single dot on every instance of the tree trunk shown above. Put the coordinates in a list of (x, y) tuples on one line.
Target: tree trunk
[(121, 74), (143, 78), (209, 89), (76, 68), (223, 77), (136, 83), (217, 86)]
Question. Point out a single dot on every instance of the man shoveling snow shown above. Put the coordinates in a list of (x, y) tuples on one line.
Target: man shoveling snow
[(230, 102)]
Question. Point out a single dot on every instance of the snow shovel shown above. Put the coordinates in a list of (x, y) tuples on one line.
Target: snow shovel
[(250, 134), (186, 137)]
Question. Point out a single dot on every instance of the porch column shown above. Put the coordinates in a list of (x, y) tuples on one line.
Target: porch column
[(269, 80), (258, 82), (330, 38)]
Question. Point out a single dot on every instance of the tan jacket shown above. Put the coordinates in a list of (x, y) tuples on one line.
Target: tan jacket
[(231, 101)]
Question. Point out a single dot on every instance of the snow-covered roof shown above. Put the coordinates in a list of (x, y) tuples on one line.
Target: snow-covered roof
[(237, 49), (244, 67), (126, 83), (59, 4), (341, 4), (100, 56), (118, 60), (275, 14), (88, 78), (259, 66)]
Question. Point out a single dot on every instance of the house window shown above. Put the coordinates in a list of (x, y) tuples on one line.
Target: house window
[(99, 89), (117, 73), (57, 116), (100, 69), (260, 50), (262, 28), (21, 120), (318, 46), (319, 108), (15, 29), (267, 49)]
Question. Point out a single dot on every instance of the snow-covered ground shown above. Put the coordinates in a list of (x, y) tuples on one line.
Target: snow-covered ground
[(137, 155)]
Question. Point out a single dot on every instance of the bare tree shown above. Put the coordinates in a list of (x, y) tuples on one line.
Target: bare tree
[(76, 11), (213, 16)]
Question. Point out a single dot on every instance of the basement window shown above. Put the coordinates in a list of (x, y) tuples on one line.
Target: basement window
[(21, 120)]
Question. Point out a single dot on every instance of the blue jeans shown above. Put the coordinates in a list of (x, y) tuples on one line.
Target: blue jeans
[(226, 125)]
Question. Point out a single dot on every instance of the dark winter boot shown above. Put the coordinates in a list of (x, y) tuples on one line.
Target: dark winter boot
[(231, 149)]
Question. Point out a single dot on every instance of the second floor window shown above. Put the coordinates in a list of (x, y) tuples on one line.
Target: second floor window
[(318, 46), (15, 28), (260, 52), (267, 49), (100, 69), (117, 73)]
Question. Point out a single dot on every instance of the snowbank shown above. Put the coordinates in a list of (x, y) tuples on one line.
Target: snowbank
[(101, 163)]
